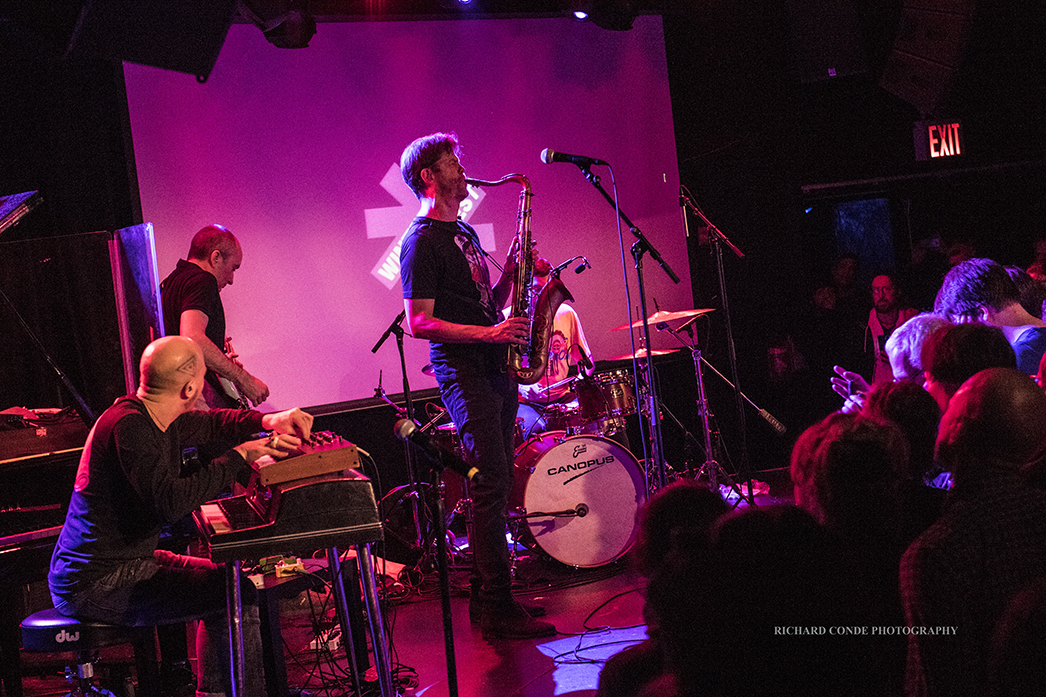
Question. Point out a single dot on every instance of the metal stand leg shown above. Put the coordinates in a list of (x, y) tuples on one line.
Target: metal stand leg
[(341, 602), (711, 467), (234, 610), (465, 507), (377, 624)]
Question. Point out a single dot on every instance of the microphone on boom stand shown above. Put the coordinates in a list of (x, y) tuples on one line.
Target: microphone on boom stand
[(408, 431)]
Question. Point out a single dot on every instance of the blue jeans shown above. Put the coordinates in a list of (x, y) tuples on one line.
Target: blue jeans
[(482, 400), (171, 588)]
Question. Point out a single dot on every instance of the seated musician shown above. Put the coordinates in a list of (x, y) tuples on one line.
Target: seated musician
[(566, 345), (106, 566)]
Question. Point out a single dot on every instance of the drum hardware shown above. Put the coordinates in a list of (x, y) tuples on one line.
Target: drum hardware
[(605, 400), (640, 247), (717, 240), (565, 417), (516, 520), (546, 388), (463, 508), (530, 420), (711, 467)]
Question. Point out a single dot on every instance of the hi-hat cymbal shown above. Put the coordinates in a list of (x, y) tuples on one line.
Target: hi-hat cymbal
[(662, 316), (642, 353)]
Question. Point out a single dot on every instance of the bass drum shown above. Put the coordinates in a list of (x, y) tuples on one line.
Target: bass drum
[(581, 495)]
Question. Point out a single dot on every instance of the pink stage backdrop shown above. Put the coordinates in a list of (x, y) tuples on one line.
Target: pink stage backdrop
[(297, 153)]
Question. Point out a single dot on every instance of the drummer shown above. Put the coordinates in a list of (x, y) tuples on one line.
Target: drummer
[(568, 349)]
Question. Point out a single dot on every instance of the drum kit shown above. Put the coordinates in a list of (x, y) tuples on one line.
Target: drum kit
[(576, 492), (577, 489), (577, 486)]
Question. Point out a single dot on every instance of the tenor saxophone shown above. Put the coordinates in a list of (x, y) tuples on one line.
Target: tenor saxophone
[(527, 364)]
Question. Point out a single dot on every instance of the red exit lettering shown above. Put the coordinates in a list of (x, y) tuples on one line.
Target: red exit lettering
[(944, 140)]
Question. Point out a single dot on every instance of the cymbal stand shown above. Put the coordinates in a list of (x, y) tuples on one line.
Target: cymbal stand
[(711, 467), (717, 239), (640, 247)]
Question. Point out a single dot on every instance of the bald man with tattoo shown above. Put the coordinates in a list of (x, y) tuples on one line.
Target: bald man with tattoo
[(106, 566)]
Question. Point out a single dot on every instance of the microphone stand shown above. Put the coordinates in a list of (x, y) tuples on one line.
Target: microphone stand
[(435, 469), (640, 247), (717, 239), (415, 495), (441, 520)]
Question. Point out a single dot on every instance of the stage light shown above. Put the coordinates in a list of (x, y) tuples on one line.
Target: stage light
[(616, 15)]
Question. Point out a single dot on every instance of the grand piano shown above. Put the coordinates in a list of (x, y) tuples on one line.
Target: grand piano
[(39, 453)]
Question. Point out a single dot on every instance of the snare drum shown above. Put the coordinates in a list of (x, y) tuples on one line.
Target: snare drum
[(580, 495), (606, 399), (564, 417)]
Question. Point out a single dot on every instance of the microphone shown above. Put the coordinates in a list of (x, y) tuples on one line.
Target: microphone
[(583, 265), (407, 431), (554, 273), (583, 358), (548, 156), (392, 327), (774, 423)]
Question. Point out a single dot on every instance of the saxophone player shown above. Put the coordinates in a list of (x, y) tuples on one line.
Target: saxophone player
[(450, 301)]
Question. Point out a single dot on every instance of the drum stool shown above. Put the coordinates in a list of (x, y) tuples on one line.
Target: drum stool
[(49, 631)]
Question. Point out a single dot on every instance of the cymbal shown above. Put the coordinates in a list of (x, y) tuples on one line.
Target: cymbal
[(662, 316), (642, 353)]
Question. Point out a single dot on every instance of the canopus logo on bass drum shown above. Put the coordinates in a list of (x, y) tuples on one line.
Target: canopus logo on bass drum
[(63, 636), (587, 464)]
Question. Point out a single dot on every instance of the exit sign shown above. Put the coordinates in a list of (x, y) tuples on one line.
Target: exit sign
[(937, 139)]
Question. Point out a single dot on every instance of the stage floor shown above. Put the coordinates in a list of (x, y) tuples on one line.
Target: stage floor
[(597, 612)]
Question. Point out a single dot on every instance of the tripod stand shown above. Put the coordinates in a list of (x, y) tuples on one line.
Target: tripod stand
[(414, 488), (711, 467), (415, 496)]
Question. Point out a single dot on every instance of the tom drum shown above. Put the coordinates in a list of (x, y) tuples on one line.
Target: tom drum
[(606, 399)]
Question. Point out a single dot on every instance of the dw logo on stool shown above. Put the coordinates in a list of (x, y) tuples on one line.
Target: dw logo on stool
[(66, 636)]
